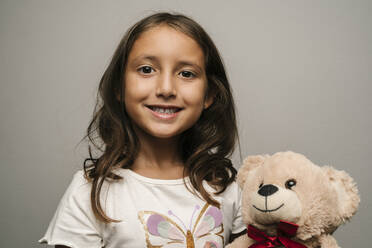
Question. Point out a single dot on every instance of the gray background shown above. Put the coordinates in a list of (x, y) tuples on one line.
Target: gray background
[(300, 71)]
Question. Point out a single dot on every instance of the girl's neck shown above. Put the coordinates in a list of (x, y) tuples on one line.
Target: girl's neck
[(158, 157)]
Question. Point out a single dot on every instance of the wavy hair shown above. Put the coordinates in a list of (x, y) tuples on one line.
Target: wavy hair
[(205, 147)]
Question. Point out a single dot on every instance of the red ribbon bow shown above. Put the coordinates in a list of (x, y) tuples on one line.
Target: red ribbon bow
[(284, 232)]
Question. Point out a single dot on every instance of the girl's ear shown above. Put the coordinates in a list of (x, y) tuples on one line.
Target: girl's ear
[(249, 164), (208, 101)]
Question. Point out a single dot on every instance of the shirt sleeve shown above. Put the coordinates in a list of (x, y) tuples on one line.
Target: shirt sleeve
[(74, 223), (238, 224)]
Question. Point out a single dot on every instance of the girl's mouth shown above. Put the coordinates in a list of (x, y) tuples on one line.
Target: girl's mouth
[(164, 112)]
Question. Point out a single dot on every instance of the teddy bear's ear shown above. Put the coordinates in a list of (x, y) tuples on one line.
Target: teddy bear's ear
[(347, 192), (248, 165)]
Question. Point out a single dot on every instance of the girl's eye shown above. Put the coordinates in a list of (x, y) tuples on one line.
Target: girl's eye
[(145, 69), (187, 74)]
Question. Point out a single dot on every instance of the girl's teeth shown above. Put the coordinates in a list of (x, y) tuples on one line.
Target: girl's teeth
[(164, 110)]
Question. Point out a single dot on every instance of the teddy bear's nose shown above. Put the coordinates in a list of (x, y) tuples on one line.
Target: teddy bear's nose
[(267, 190)]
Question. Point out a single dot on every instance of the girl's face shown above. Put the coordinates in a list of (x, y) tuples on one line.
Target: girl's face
[(165, 82)]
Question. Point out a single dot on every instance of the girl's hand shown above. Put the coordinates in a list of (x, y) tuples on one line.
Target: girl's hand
[(209, 245)]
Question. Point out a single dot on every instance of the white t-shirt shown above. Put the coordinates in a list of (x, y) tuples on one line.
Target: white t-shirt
[(153, 213)]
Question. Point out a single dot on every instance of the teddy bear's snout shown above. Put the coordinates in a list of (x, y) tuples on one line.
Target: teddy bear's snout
[(272, 203), (267, 190)]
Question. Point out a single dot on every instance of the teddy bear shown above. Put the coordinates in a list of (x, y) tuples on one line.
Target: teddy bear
[(288, 201)]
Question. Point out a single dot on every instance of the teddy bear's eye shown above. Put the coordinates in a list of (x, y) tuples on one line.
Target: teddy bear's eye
[(260, 185), (290, 183)]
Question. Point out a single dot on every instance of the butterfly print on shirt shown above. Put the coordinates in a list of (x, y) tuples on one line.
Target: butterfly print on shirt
[(169, 231)]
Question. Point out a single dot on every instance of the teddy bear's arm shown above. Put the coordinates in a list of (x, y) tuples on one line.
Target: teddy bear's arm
[(240, 242), (328, 241)]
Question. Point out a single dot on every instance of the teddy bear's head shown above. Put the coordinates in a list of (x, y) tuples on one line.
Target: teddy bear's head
[(287, 186)]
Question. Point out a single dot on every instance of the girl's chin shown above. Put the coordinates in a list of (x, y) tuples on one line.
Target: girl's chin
[(162, 134), (165, 135), (159, 131)]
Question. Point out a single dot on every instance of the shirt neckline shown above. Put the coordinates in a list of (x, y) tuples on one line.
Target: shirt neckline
[(139, 177)]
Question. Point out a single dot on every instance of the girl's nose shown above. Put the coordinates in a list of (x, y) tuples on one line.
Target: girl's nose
[(166, 86)]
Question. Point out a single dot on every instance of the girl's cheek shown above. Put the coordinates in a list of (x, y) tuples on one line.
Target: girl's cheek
[(137, 87), (194, 94)]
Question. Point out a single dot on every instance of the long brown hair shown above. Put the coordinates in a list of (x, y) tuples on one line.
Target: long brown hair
[(205, 147)]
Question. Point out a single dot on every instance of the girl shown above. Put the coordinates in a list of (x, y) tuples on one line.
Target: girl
[(164, 124)]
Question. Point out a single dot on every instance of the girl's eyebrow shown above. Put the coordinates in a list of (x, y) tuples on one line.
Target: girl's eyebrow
[(188, 63), (146, 57), (154, 59)]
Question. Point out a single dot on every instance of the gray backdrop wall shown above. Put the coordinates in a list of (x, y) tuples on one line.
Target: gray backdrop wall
[(300, 71)]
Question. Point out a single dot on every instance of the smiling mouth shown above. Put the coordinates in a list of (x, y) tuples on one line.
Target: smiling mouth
[(268, 210), (163, 111)]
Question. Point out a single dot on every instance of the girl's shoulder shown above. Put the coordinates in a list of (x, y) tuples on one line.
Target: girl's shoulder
[(79, 187), (79, 181), (74, 215), (232, 191), (80, 184), (233, 188), (79, 178)]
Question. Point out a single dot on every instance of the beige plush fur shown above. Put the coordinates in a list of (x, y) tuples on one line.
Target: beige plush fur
[(322, 198)]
